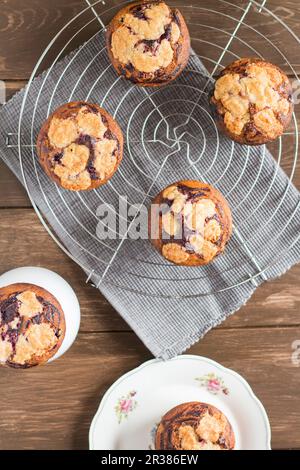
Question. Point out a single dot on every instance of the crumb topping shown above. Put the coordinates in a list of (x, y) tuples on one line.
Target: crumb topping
[(267, 123), (146, 38), (27, 329), (256, 96), (175, 253), (90, 124), (62, 132), (72, 167), (6, 350), (35, 342), (191, 225), (206, 436), (190, 440), (152, 24), (212, 231), (29, 304), (82, 152), (211, 427), (105, 159)]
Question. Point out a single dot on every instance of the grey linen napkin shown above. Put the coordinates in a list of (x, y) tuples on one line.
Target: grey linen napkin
[(168, 307)]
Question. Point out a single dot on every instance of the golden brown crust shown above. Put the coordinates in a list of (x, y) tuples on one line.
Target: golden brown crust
[(32, 325), (148, 43), (194, 426), (252, 101), (190, 223), (80, 146)]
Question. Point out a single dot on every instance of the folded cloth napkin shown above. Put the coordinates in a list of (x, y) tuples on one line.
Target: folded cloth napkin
[(170, 135)]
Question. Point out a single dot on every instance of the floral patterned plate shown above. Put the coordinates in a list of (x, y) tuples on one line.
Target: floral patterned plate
[(131, 409)]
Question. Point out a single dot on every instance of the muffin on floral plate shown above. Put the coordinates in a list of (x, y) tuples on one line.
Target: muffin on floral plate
[(148, 43), (194, 426), (80, 146), (32, 325), (190, 223), (211, 408), (252, 101)]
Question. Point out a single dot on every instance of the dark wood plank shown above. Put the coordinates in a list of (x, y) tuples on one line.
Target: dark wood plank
[(26, 29), (23, 240), (69, 391)]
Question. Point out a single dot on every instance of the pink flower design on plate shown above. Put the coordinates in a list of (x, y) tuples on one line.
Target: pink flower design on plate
[(125, 406), (213, 384)]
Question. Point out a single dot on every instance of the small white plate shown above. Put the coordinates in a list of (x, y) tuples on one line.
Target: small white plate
[(131, 409), (60, 289)]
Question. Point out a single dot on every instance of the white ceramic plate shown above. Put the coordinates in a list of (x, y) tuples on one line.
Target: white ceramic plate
[(58, 287), (131, 409)]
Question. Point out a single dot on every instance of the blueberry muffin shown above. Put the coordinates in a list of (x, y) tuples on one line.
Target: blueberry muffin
[(32, 325), (148, 43), (80, 146), (190, 223), (252, 101), (194, 426)]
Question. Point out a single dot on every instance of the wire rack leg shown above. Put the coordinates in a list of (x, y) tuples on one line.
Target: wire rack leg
[(10, 136)]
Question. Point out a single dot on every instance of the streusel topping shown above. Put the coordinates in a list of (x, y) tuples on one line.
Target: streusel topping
[(29, 304), (206, 436), (36, 340), (84, 148), (190, 440), (255, 96), (27, 330), (62, 132), (190, 225), (175, 253), (146, 38)]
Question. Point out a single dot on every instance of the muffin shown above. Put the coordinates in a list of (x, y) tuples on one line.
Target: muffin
[(80, 146), (148, 43), (252, 101), (190, 223), (194, 426), (32, 325)]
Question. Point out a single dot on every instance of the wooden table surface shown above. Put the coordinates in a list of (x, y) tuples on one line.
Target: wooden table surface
[(51, 407)]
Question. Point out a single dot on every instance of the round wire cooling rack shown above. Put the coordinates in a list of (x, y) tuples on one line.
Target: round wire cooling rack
[(170, 135)]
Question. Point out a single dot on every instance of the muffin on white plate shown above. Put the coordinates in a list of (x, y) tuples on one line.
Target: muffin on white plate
[(194, 426), (32, 325)]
